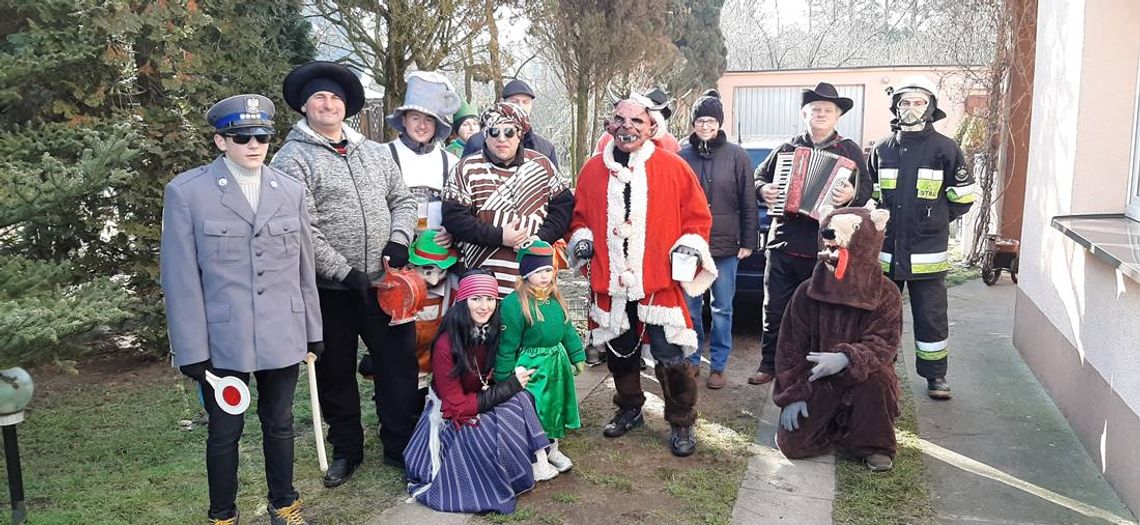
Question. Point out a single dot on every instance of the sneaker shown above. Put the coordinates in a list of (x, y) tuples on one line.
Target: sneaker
[(225, 521), (879, 462), (557, 459), (624, 421), (682, 441), (544, 471), (716, 380), (760, 378), (339, 472), (938, 388), (290, 515), (694, 370)]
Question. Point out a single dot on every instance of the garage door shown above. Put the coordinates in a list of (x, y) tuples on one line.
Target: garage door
[(762, 112)]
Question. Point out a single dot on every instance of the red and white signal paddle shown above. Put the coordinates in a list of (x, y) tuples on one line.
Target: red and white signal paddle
[(231, 394)]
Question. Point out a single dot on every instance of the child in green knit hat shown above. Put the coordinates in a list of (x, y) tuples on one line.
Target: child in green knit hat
[(537, 334), (464, 123)]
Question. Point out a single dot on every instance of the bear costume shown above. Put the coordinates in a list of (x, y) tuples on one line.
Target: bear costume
[(835, 376)]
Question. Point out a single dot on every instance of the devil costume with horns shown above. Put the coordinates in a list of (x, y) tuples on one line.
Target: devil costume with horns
[(642, 208)]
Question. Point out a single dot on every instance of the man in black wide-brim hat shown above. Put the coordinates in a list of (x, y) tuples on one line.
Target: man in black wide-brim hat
[(792, 240), (362, 215)]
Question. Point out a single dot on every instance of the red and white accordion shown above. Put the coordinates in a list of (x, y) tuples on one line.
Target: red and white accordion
[(805, 178)]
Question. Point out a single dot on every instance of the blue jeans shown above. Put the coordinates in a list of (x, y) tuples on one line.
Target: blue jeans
[(723, 289)]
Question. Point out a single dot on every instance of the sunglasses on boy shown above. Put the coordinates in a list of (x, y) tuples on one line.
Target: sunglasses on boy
[(505, 132), (244, 139)]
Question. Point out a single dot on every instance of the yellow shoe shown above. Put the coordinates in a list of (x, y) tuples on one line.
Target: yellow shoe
[(227, 521), (290, 515)]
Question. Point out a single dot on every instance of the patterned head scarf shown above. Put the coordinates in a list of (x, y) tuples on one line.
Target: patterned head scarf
[(504, 112)]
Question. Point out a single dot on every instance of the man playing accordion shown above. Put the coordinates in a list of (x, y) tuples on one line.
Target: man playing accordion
[(792, 243)]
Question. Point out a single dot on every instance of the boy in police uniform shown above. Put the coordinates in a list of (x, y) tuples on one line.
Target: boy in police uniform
[(241, 297)]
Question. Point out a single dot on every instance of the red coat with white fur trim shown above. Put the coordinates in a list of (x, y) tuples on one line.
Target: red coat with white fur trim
[(667, 209)]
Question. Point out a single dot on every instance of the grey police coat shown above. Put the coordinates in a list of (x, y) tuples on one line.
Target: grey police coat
[(240, 285)]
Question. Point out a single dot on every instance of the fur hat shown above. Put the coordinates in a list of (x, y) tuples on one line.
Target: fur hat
[(302, 82), (429, 93)]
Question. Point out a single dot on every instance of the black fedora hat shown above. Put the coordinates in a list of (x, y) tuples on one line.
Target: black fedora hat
[(826, 92), (661, 98), (315, 76)]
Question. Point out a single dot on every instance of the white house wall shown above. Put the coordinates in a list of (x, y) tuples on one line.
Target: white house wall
[(1078, 163)]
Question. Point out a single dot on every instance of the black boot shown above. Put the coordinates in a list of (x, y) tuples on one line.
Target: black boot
[(682, 441), (938, 388), (624, 421), (339, 472)]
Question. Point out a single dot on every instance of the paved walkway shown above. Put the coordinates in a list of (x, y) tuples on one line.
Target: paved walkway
[(778, 490), (1000, 451)]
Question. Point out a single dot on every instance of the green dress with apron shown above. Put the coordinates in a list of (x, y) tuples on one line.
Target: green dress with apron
[(549, 347)]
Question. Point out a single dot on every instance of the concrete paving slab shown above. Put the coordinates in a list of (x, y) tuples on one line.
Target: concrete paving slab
[(406, 512), (778, 490), (1000, 451)]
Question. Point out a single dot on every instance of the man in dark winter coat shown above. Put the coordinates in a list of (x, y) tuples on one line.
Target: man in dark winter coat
[(725, 173), (519, 93), (923, 179), (792, 241), (835, 373)]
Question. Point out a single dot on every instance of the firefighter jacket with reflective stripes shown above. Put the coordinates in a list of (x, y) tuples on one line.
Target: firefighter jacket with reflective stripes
[(922, 178)]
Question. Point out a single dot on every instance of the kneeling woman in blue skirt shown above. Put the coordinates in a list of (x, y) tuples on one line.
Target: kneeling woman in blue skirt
[(475, 441)]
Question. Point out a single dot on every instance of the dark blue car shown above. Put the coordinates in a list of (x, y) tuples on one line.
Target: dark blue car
[(750, 273)]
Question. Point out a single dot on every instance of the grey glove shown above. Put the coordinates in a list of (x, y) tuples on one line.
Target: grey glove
[(584, 250), (789, 416), (827, 363)]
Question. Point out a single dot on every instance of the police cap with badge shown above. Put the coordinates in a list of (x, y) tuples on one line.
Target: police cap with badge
[(242, 117)]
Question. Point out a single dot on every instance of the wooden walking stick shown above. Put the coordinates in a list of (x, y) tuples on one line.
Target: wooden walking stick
[(315, 402)]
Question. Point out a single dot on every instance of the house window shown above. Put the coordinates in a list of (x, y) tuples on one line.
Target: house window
[(1133, 209)]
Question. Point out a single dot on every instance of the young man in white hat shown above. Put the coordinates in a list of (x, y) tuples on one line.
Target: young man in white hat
[(922, 178), (419, 150), (241, 296), (363, 215)]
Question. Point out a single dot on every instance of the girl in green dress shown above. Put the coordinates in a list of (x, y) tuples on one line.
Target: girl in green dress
[(537, 334)]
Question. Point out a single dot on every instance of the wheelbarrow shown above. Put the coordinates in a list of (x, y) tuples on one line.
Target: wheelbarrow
[(1000, 254)]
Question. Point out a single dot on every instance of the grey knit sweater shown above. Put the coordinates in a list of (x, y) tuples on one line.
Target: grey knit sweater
[(357, 203)]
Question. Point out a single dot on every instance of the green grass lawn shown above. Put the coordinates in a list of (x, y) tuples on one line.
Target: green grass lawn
[(900, 496), (111, 452)]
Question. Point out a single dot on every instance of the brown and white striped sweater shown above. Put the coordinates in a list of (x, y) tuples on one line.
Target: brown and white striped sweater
[(480, 197)]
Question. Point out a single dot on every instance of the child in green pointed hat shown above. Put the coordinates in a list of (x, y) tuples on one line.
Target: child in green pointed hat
[(464, 123), (537, 334)]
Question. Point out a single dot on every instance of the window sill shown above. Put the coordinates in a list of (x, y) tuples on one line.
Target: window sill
[(1114, 239)]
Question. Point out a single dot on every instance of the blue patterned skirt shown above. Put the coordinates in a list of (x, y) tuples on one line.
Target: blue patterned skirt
[(475, 468)]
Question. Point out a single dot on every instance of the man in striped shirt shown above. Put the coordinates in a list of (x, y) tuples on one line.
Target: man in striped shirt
[(503, 196)]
